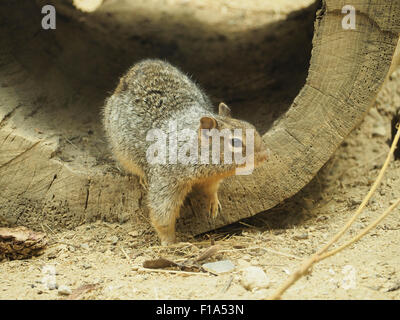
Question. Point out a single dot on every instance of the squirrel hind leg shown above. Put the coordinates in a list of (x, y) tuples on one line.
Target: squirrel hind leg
[(166, 232), (165, 203), (133, 168)]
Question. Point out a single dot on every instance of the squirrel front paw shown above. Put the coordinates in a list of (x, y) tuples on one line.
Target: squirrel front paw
[(215, 207)]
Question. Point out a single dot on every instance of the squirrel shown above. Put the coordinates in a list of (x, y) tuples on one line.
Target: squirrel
[(152, 95)]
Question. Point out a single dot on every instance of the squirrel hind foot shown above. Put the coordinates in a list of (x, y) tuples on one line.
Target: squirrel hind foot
[(166, 234)]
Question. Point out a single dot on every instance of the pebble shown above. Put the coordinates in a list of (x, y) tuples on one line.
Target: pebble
[(301, 236), (379, 131), (308, 203), (52, 285), (247, 257), (393, 287), (52, 254), (219, 267), (355, 202), (321, 218), (134, 233), (254, 278), (64, 290), (85, 246), (114, 240), (86, 266)]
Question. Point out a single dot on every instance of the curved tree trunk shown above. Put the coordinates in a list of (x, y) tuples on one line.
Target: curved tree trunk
[(55, 168)]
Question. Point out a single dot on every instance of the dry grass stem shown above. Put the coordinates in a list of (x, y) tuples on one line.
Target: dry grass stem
[(321, 254)]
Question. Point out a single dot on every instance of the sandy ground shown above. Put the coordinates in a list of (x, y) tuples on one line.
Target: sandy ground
[(106, 258), (276, 241)]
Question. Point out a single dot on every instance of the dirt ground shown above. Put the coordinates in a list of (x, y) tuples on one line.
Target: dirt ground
[(103, 260)]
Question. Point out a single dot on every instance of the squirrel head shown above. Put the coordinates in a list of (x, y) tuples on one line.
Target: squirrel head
[(238, 139)]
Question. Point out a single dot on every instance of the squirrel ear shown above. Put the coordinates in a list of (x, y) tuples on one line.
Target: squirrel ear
[(224, 110), (208, 123)]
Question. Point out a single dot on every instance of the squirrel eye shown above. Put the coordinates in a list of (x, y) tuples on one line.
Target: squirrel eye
[(236, 143)]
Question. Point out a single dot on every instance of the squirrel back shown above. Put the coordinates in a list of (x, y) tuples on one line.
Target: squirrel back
[(148, 96)]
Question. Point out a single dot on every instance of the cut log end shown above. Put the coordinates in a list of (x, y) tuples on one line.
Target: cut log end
[(55, 167)]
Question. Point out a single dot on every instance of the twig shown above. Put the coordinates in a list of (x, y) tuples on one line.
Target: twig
[(45, 225), (247, 225), (228, 284), (287, 255), (208, 253), (71, 143), (362, 233), (126, 255), (172, 271), (305, 267), (366, 199)]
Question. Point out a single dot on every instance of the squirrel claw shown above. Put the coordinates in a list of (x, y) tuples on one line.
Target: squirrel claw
[(143, 183), (215, 208)]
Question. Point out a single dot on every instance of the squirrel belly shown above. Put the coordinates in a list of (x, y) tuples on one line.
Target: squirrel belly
[(154, 107)]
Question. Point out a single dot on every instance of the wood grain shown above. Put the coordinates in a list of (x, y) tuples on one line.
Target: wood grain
[(54, 172)]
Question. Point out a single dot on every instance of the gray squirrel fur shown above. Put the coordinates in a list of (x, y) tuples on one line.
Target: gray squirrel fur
[(149, 96)]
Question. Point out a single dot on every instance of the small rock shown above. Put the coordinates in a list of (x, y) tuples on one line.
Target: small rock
[(393, 287), (219, 267), (134, 233), (308, 203), (64, 290), (301, 236), (254, 278), (355, 202), (52, 285), (247, 257), (378, 131), (85, 246), (286, 271), (62, 247), (86, 266), (114, 240), (52, 254), (321, 218)]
